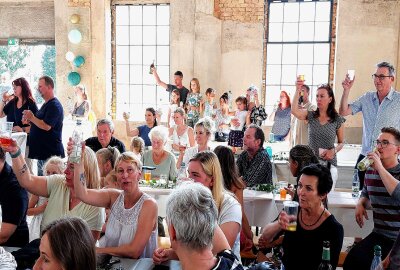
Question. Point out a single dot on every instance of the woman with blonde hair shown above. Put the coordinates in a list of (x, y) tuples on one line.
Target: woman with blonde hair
[(205, 168), (60, 189), (37, 205), (131, 210), (182, 135), (106, 158), (202, 135)]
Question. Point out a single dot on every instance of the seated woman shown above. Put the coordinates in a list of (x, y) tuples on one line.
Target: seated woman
[(182, 135), (202, 131), (60, 190), (143, 130), (106, 158), (37, 205), (299, 157), (131, 211), (158, 157), (282, 118), (302, 249), (234, 184), (58, 246), (204, 168)]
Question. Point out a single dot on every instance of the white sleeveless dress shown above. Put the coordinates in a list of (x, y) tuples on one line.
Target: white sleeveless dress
[(122, 226), (34, 226)]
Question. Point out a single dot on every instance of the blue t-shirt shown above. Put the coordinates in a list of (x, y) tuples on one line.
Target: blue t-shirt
[(15, 115), (144, 134), (44, 144), (14, 204)]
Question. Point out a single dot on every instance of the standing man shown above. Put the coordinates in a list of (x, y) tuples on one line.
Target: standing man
[(380, 108), (46, 126), (14, 204), (178, 77), (254, 163), (381, 192)]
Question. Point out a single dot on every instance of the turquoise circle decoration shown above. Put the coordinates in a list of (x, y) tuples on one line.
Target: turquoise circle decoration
[(75, 36), (74, 78), (79, 61)]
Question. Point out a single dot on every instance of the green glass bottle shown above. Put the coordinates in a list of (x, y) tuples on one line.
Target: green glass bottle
[(326, 257)]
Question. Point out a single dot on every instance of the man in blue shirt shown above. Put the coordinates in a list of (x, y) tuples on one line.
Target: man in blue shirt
[(14, 204), (380, 108), (46, 125)]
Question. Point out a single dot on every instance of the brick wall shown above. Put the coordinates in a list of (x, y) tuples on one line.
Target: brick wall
[(79, 3), (251, 11)]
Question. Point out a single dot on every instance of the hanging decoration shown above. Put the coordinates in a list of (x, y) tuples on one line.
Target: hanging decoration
[(75, 36), (75, 18), (79, 61), (70, 56), (74, 78)]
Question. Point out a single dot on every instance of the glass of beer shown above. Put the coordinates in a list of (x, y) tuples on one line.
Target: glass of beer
[(147, 176), (291, 208), (5, 133)]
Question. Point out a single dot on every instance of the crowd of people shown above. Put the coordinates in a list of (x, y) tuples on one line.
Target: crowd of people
[(98, 198)]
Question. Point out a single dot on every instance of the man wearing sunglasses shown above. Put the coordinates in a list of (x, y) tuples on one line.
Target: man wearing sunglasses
[(381, 192), (380, 108)]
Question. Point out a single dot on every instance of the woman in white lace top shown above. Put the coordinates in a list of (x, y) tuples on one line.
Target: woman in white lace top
[(131, 211)]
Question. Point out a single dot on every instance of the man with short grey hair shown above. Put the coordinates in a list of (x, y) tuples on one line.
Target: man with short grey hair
[(254, 163), (105, 131), (192, 220), (380, 108)]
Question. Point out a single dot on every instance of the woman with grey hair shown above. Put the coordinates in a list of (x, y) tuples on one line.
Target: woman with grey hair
[(192, 217), (202, 134), (158, 157)]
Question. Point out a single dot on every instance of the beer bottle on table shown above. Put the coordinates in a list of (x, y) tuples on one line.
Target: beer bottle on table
[(326, 257)]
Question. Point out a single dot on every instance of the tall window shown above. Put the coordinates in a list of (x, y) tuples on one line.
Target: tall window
[(141, 38), (298, 42)]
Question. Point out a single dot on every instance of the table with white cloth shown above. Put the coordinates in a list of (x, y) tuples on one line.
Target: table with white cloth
[(21, 138), (260, 207)]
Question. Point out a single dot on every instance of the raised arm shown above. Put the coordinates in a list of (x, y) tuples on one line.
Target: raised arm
[(95, 197), (298, 112), (33, 184), (391, 184), (147, 222), (158, 80), (130, 132), (191, 136), (345, 108)]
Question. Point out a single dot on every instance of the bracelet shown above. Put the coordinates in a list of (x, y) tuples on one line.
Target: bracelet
[(17, 154)]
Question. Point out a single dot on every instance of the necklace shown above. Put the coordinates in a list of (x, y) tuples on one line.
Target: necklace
[(310, 225)]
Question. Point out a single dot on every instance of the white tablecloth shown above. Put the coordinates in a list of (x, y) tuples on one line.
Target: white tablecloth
[(20, 137), (261, 208), (143, 264)]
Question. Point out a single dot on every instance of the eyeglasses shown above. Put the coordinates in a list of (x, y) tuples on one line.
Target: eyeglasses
[(380, 77), (383, 143)]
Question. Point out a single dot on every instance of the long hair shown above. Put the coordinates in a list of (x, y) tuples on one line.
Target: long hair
[(83, 90), (153, 112), (331, 111), (72, 243), (229, 168), (197, 83), (287, 100), (92, 172), (210, 164), (26, 91)]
